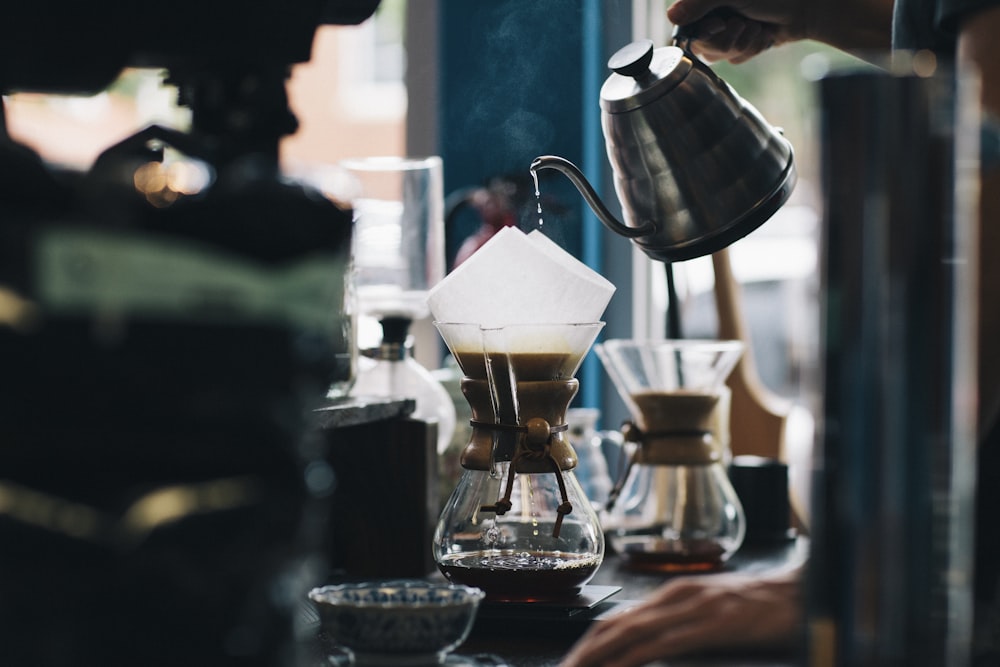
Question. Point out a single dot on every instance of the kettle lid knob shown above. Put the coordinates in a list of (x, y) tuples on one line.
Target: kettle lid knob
[(633, 59)]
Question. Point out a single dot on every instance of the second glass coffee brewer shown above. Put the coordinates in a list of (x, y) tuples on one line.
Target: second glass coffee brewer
[(674, 508)]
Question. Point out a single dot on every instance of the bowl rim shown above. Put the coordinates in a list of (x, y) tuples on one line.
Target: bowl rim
[(324, 595)]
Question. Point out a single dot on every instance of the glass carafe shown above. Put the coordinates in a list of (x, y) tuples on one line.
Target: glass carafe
[(673, 508), (518, 524)]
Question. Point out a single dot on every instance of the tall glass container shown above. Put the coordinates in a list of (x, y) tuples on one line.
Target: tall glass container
[(398, 252), (398, 256)]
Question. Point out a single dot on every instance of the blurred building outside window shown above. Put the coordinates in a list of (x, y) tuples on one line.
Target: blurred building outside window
[(350, 101), (350, 98)]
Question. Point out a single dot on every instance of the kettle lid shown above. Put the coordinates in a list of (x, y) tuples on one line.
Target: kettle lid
[(641, 74)]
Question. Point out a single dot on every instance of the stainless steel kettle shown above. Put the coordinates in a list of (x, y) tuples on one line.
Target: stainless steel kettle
[(696, 166)]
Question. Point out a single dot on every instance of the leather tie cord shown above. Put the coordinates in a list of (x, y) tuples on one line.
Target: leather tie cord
[(537, 446)]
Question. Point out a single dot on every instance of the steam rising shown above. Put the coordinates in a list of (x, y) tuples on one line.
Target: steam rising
[(520, 78)]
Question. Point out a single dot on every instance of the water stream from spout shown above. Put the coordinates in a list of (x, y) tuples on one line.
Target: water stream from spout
[(538, 197)]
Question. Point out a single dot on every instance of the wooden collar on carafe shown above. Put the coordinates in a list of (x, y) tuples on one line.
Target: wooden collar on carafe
[(683, 447)]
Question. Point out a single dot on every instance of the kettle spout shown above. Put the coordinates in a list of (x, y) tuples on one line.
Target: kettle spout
[(590, 196)]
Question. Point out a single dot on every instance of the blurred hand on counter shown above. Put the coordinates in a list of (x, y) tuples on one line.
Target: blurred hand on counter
[(698, 613)]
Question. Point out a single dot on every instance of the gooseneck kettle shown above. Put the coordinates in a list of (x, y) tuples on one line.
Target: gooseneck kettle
[(696, 167)]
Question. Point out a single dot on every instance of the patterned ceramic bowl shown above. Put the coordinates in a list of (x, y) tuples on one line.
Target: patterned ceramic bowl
[(405, 622)]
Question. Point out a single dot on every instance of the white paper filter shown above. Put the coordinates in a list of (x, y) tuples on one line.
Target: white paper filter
[(518, 278)]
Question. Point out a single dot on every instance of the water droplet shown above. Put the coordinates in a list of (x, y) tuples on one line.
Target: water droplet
[(538, 196)]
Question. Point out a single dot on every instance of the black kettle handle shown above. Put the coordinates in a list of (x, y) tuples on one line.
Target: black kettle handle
[(685, 34)]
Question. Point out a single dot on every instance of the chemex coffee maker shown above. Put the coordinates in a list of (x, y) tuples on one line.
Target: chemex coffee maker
[(519, 316), (159, 494), (673, 508)]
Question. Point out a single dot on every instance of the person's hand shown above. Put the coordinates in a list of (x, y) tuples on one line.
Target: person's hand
[(691, 614), (737, 32)]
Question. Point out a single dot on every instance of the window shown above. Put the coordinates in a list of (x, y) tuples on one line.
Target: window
[(350, 98)]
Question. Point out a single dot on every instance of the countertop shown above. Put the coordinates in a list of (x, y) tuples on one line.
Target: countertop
[(361, 410), (524, 638)]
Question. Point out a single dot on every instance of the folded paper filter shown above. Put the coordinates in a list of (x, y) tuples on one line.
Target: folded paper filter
[(520, 309), (518, 278)]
